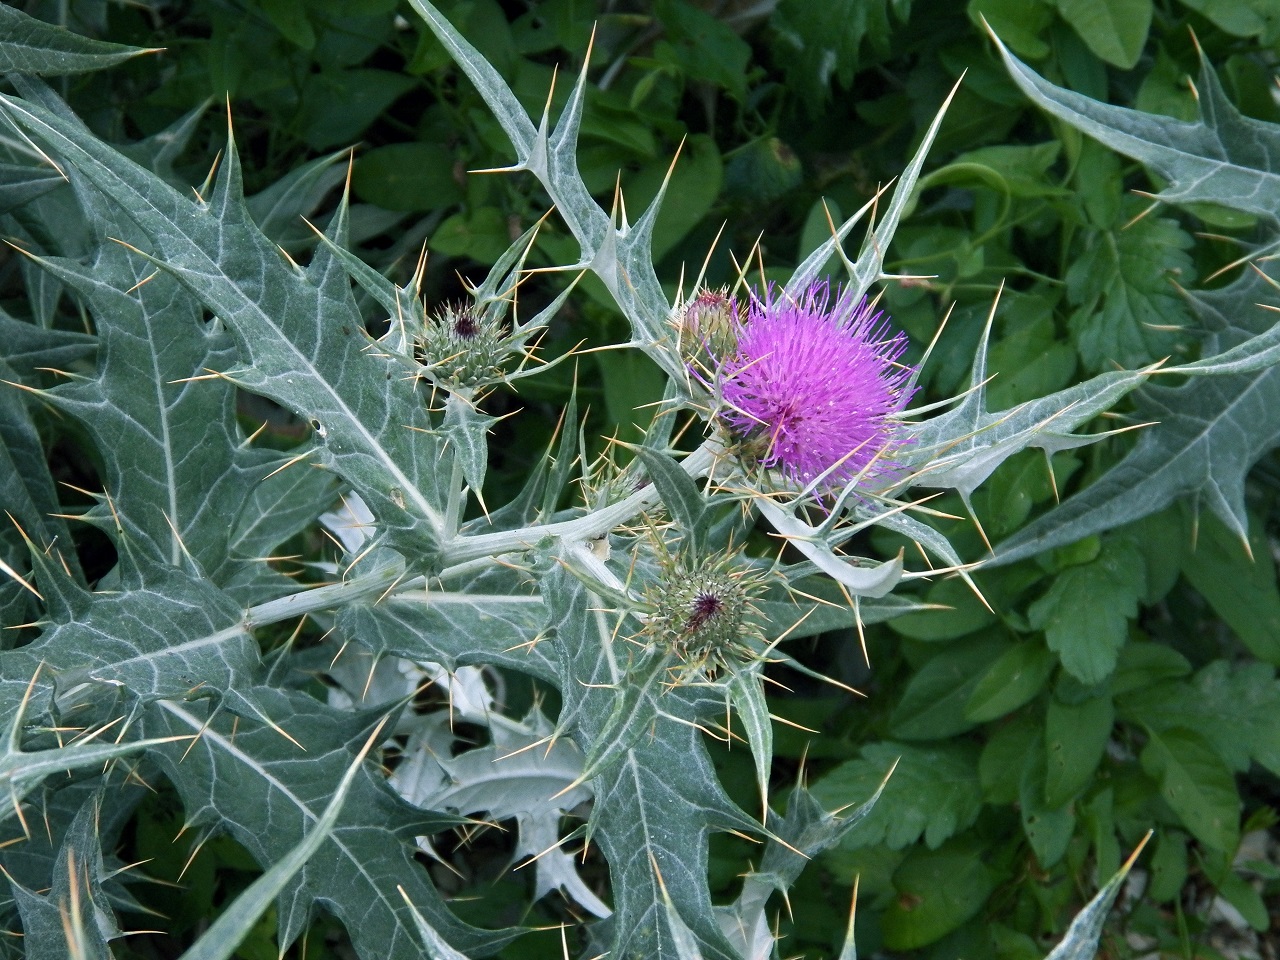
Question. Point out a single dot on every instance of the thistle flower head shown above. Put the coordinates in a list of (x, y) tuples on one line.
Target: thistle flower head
[(462, 345), (812, 385), (702, 610)]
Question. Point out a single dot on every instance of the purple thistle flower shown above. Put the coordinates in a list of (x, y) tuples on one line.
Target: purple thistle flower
[(813, 383)]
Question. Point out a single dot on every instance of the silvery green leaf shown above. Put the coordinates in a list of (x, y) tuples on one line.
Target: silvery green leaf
[(1081, 940), (163, 633), (31, 501), (21, 183), (1224, 157), (806, 830), (21, 771), (74, 917), (238, 919), (1208, 432), (491, 619), (656, 795), (28, 45), (466, 429), (862, 581), (746, 694), (174, 465), (681, 496), (616, 251), (268, 791), (959, 449), (296, 331)]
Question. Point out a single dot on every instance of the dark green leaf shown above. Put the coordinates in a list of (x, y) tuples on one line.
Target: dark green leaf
[(1126, 284), (1085, 615), (1241, 587), (1048, 828), (407, 176), (1017, 676), (1075, 738), (1196, 784), (933, 792), (938, 890), (1115, 30), (933, 705)]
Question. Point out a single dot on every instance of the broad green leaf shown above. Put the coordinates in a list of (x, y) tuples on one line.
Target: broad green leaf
[(1126, 287), (1240, 586), (938, 890), (28, 45), (363, 93), (1086, 612), (932, 794), (1017, 676), (1236, 710), (692, 185), (822, 43), (965, 614), (1144, 664), (1240, 893), (1048, 828), (1019, 22), (1005, 754), (1196, 784), (933, 705), (407, 176), (1115, 30), (1075, 739), (1014, 169), (1243, 18), (706, 47), (290, 18), (1168, 866)]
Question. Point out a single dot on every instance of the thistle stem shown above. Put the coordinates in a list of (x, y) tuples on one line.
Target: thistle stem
[(587, 527)]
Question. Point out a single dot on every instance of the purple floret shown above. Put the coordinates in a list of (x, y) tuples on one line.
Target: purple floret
[(816, 382)]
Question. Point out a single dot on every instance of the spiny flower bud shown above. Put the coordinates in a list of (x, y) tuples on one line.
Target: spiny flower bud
[(462, 346), (707, 326), (703, 612)]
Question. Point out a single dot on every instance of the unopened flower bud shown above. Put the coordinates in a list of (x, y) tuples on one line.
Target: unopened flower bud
[(707, 326), (462, 346)]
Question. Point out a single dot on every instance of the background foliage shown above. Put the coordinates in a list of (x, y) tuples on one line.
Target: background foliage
[(1118, 682)]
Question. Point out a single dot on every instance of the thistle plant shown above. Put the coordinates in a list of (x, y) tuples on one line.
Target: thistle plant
[(646, 618)]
